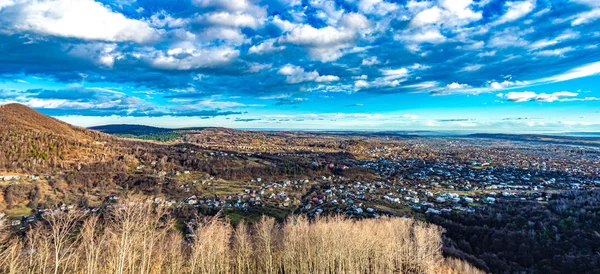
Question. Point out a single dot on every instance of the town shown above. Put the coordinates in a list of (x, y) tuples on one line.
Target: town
[(408, 177)]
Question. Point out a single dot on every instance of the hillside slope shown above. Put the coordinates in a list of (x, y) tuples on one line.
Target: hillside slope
[(31, 141)]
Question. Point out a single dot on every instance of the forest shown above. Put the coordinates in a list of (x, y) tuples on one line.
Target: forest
[(140, 237), (560, 236)]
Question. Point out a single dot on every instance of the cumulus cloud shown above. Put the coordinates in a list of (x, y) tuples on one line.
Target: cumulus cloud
[(237, 20), (378, 7), (361, 84), (83, 19), (296, 74), (456, 85), (266, 46), (238, 5), (506, 84), (104, 54), (192, 58), (448, 13), (323, 44), (192, 50), (516, 10), (327, 44), (370, 61), (433, 36)]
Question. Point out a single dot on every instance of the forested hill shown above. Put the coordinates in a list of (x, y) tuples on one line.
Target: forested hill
[(130, 129), (32, 141)]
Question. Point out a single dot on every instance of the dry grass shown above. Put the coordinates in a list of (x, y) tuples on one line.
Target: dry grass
[(139, 238), (456, 266)]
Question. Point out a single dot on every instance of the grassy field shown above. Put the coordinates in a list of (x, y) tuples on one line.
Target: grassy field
[(18, 211)]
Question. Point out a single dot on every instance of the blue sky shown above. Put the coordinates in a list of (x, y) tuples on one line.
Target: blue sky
[(490, 65)]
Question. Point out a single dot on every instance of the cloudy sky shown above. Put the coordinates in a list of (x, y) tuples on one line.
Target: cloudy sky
[(489, 65)]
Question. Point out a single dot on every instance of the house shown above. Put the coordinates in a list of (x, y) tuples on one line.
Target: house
[(192, 200), (433, 211)]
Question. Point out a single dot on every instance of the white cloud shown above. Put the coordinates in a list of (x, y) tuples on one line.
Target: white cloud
[(428, 16), (256, 67), (586, 17), (210, 103), (448, 13), (276, 96), (487, 53), (423, 85), (361, 84), (189, 57), (555, 52), (238, 20), (417, 66), (283, 25), (370, 61), (456, 85), (510, 37), (526, 96), (82, 19), (355, 21), (58, 103), (507, 84), (6, 3), (516, 10), (103, 54), (310, 36), (394, 73), (520, 96), (432, 36), (390, 77), (567, 35), (324, 44), (543, 97), (296, 74), (471, 68), (591, 3), (162, 19), (378, 7), (266, 46), (237, 5), (579, 72)]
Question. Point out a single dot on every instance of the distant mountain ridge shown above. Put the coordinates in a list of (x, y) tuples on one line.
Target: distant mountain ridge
[(557, 139), (130, 129)]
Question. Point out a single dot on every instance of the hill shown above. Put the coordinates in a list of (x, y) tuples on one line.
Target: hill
[(17, 117), (147, 132), (130, 129), (31, 141)]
